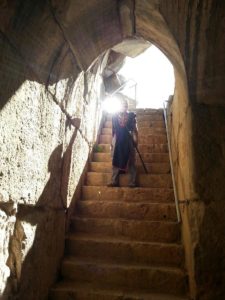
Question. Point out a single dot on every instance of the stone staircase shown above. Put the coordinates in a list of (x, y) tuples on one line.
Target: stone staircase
[(126, 243)]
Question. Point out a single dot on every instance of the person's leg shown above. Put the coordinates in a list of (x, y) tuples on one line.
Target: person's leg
[(132, 169), (132, 175), (115, 177)]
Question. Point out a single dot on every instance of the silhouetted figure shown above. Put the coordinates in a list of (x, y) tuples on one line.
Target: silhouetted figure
[(124, 135)]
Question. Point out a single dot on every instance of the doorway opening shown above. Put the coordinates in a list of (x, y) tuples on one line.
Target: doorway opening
[(147, 80)]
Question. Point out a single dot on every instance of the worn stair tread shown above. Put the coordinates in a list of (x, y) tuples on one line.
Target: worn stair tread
[(127, 210), (140, 175), (127, 266), (126, 220), (124, 250), (138, 203), (147, 157), (127, 203), (162, 155), (146, 230), (155, 122), (143, 139), (139, 135), (151, 164), (140, 115), (143, 148), (115, 240), (109, 292), (143, 180), (131, 275), (157, 231), (141, 130), (153, 168), (149, 110), (161, 195)]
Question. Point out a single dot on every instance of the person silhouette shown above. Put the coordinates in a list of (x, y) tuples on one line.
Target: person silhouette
[(124, 139)]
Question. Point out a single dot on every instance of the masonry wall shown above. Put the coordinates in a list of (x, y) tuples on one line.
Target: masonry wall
[(197, 127), (49, 119)]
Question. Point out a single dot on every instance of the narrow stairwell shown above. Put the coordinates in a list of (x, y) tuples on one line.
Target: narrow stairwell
[(125, 243)]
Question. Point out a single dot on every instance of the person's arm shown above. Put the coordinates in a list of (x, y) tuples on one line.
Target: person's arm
[(113, 130), (135, 132), (113, 126)]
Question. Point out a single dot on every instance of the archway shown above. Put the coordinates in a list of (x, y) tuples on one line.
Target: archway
[(65, 25)]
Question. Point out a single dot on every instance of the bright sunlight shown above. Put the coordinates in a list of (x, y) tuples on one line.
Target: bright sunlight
[(154, 75), (111, 104)]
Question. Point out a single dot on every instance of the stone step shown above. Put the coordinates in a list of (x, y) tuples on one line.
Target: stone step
[(124, 251), (68, 290), (143, 148), (143, 180), (161, 195), (132, 276), (141, 130), (142, 139), (142, 111), (150, 117), (147, 111), (147, 157), (150, 124), (153, 168), (152, 231), (142, 123), (145, 116), (127, 210)]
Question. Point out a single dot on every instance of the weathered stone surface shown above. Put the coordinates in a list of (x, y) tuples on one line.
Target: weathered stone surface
[(147, 157), (143, 139), (201, 42), (144, 114), (128, 276), (144, 123), (37, 241), (143, 180), (123, 251), (132, 47), (141, 130), (88, 291), (77, 24), (126, 210), (143, 148), (153, 168), (6, 231), (39, 151), (127, 194), (168, 232)]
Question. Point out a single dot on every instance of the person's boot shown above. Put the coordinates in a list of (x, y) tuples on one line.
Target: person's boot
[(113, 184), (132, 185)]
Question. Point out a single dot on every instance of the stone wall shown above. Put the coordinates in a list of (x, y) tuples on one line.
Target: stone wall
[(48, 122), (197, 140)]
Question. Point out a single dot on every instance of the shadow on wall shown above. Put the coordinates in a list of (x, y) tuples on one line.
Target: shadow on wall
[(44, 224), (209, 143), (34, 267)]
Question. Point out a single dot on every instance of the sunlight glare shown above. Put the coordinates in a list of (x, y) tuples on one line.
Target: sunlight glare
[(111, 104), (154, 75)]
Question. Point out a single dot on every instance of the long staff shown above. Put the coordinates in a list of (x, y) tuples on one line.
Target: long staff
[(135, 146)]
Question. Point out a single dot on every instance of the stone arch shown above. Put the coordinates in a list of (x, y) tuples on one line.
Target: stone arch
[(75, 39)]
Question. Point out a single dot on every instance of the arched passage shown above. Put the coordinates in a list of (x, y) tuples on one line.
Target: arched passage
[(47, 48), (47, 88)]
